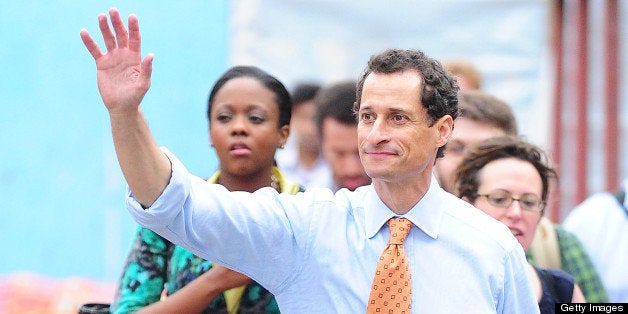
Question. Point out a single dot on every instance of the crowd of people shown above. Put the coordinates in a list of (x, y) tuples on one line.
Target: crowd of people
[(313, 185)]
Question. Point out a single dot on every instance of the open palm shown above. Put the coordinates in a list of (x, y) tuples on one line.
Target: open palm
[(123, 78)]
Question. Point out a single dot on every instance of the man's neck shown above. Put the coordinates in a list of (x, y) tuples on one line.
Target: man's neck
[(401, 196)]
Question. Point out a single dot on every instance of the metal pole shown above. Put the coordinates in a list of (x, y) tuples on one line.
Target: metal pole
[(557, 52), (611, 94), (581, 83)]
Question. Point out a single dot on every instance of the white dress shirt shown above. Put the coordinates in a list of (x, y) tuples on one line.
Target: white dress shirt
[(319, 176), (601, 224)]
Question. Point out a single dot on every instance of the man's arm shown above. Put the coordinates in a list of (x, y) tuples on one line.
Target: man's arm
[(123, 80), (517, 295)]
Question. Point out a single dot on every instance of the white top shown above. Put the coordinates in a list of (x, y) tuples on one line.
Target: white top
[(319, 176), (601, 224), (317, 251)]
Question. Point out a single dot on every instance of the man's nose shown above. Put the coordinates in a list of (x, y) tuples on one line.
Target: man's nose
[(378, 131)]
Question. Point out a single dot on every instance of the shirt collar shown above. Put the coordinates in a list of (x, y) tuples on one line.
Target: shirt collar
[(426, 214)]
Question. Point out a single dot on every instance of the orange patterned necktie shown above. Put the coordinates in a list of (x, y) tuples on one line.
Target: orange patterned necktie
[(391, 290)]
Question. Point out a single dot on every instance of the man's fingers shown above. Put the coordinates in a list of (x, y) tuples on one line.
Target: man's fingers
[(121, 39), (90, 44), (135, 40), (107, 35), (146, 67), (121, 34)]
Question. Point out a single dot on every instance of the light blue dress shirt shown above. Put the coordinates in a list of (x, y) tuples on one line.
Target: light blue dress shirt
[(317, 251)]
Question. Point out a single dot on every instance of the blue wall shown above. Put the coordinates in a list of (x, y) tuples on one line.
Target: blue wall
[(60, 186)]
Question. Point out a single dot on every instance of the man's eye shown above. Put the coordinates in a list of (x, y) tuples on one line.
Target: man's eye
[(399, 118), (366, 116)]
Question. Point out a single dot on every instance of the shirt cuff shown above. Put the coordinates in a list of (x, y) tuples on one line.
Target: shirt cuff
[(169, 204)]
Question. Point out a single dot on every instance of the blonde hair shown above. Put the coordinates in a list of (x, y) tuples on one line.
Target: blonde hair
[(466, 70)]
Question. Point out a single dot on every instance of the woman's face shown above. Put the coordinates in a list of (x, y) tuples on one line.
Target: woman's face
[(520, 180), (244, 127)]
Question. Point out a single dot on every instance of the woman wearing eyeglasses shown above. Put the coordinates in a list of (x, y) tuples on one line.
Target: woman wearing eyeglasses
[(508, 179)]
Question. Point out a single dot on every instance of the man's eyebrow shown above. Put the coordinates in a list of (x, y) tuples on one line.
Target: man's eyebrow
[(397, 110)]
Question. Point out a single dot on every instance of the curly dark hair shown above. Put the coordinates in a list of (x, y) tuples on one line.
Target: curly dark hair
[(467, 179), (439, 92)]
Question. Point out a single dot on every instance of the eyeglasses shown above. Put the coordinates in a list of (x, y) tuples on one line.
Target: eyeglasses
[(503, 199)]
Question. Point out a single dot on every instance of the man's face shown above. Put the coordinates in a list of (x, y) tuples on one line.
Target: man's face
[(466, 133), (397, 141), (340, 149)]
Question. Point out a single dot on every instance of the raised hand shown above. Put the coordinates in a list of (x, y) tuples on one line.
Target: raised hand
[(123, 78)]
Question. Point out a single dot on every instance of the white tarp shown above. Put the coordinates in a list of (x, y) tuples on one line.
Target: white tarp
[(327, 41)]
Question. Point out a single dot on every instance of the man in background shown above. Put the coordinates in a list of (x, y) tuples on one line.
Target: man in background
[(338, 129)]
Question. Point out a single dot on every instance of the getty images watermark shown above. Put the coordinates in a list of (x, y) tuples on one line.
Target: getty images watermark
[(591, 308)]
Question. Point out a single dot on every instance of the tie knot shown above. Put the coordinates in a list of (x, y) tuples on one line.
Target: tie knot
[(399, 228)]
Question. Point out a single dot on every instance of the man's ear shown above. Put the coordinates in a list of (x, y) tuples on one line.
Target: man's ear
[(444, 127)]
